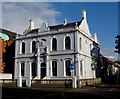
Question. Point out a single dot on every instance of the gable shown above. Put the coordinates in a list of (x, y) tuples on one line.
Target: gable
[(84, 27)]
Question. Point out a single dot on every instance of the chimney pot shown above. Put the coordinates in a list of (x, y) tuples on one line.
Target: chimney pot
[(31, 24), (84, 13)]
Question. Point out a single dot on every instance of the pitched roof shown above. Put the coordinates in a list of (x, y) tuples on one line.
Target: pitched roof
[(27, 31), (11, 34), (67, 25)]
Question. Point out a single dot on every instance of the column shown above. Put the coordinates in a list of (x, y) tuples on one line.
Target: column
[(19, 78), (38, 63), (28, 80), (64, 69), (47, 62), (50, 70), (76, 41), (77, 65)]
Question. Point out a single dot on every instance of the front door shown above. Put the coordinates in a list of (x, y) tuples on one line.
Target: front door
[(43, 70)]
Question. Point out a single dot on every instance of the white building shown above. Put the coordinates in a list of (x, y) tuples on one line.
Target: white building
[(48, 51)]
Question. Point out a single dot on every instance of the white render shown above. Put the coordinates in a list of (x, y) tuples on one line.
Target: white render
[(80, 56)]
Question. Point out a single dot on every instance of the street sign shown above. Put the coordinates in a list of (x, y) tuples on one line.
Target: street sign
[(72, 66)]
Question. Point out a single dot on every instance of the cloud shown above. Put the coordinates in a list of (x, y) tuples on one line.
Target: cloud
[(109, 53), (60, 0), (16, 15)]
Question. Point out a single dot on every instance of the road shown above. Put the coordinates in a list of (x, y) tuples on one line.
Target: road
[(88, 92)]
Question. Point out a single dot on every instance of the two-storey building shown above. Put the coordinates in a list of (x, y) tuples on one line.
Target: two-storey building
[(50, 52)]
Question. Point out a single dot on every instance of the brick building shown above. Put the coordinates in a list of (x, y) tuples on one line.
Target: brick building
[(7, 49)]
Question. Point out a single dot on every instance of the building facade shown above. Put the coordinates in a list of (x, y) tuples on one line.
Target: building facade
[(7, 51), (51, 52)]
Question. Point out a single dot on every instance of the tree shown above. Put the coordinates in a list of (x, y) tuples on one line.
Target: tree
[(117, 41)]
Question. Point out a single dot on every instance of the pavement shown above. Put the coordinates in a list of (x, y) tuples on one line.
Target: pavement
[(88, 92)]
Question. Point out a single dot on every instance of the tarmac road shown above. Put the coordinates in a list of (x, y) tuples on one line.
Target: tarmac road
[(88, 92)]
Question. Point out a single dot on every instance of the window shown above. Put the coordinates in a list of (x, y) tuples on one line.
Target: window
[(90, 49), (67, 42), (81, 68), (23, 48), (54, 68), (22, 69), (67, 65), (33, 46), (54, 44), (80, 41), (33, 69)]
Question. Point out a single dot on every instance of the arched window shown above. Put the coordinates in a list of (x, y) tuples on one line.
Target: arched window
[(33, 46), (67, 66), (23, 48), (90, 49), (33, 69), (80, 43), (81, 68), (54, 44), (22, 69), (54, 68), (67, 42)]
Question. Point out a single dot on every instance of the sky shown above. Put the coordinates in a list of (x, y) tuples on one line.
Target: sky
[(102, 18)]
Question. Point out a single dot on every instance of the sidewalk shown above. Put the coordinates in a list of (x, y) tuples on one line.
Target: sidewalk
[(87, 92)]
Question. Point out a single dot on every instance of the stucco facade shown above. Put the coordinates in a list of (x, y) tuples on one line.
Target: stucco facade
[(47, 52)]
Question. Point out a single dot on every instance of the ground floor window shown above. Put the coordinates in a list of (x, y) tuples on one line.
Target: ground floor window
[(67, 65), (43, 70), (22, 69), (54, 68), (81, 68), (33, 69)]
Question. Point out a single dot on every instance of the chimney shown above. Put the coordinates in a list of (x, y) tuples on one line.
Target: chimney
[(31, 24), (84, 13), (95, 38), (65, 22)]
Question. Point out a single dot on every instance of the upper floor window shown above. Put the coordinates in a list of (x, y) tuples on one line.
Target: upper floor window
[(67, 42), (33, 46), (54, 44), (80, 43), (23, 48), (90, 49)]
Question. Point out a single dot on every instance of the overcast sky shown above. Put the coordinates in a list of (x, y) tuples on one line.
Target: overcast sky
[(16, 16)]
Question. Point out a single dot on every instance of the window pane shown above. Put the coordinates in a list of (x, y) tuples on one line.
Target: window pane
[(67, 42), (54, 68), (23, 48), (22, 69), (81, 68), (67, 64), (54, 44), (80, 43), (33, 69), (33, 46)]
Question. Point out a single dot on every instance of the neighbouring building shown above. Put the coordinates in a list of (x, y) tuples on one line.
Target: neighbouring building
[(110, 70), (50, 52), (7, 51)]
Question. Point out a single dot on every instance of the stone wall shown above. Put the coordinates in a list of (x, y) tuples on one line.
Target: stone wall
[(85, 82)]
